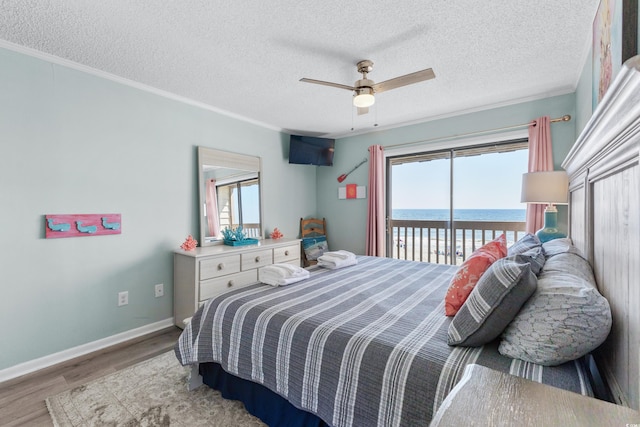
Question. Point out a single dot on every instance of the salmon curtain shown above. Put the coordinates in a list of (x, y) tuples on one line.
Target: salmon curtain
[(213, 218), (540, 160), (375, 213)]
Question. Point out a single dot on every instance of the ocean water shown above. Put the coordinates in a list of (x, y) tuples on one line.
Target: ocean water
[(502, 215)]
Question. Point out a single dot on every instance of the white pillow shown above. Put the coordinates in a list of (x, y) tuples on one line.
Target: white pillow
[(559, 246), (564, 319)]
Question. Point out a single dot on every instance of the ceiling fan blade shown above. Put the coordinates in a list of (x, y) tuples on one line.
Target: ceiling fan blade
[(320, 82), (405, 80), (362, 110)]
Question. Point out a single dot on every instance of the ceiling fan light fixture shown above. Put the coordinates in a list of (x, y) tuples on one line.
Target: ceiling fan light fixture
[(364, 98), (364, 88)]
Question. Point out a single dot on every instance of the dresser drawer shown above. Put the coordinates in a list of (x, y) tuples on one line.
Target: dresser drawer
[(256, 259), (286, 253), (219, 266), (213, 287)]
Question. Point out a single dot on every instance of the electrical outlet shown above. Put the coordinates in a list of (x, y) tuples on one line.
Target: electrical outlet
[(123, 298), (159, 290)]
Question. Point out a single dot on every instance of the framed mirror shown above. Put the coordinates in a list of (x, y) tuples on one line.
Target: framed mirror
[(230, 194)]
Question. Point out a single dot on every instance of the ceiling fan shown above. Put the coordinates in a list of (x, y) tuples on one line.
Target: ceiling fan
[(364, 89)]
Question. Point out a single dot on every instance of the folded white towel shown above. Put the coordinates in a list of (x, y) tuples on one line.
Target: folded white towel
[(283, 270), (281, 274), (337, 259), (341, 254), (281, 282)]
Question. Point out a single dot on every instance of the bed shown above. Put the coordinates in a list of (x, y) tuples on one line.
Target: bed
[(359, 346), (390, 364)]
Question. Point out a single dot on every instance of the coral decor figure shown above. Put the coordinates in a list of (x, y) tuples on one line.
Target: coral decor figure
[(236, 234), (189, 244), (276, 234)]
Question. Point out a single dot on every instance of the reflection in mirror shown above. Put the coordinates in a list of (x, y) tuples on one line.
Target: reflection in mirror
[(229, 194)]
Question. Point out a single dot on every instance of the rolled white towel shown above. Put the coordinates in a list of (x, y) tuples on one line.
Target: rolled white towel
[(341, 254), (270, 277)]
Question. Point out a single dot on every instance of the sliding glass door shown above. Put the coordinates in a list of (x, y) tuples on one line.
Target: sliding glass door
[(442, 205)]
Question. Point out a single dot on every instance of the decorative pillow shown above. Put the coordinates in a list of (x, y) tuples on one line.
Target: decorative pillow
[(531, 246), (469, 273), (536, 258), (529, 241), (565, 318), (494, 302), (559, 246), (314, 247)]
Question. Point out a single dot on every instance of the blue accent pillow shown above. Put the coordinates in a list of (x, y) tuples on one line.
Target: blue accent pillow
[(314, 247)]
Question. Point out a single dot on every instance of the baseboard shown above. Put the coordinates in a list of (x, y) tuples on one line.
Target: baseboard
[(81, 350)]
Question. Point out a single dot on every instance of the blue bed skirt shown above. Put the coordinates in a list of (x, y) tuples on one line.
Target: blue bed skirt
[(270, 407)]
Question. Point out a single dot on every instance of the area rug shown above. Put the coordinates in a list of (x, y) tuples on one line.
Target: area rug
[(151, 393)]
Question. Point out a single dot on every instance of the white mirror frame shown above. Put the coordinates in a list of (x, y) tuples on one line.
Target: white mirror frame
[(212, 157)]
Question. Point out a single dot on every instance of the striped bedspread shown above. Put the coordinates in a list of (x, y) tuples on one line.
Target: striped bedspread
[(360, 346)]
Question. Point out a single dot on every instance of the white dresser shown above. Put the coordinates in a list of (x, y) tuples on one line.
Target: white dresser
[(201, 274)]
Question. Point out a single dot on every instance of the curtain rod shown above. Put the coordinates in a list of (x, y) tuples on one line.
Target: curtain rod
[(564, 118)]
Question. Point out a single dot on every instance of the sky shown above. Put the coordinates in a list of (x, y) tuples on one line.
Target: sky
[(489, 181), (251, 204)]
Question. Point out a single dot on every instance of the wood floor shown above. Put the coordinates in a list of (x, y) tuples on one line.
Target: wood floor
[(22, 400)]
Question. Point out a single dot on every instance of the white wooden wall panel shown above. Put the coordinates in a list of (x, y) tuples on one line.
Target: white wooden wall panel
[(578, 223), (615, 231)]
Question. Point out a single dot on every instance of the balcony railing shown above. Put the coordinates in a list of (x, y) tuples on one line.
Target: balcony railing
[(431, 241), (250, 229)]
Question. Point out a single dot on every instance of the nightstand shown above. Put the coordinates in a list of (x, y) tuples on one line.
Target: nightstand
[(485, 397)]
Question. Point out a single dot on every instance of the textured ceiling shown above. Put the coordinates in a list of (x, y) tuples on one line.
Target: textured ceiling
[(246, 58)]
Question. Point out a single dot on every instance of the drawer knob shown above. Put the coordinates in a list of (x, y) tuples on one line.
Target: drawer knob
[(221, 266), (230, 284), (258, 259), (286, 253)]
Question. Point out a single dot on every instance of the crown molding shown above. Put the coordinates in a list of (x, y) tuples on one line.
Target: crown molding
[(121, 80)]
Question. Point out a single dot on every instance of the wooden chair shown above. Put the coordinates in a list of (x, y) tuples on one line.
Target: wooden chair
[(311, 227)]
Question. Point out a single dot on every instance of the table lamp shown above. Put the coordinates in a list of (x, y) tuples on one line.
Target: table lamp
[(550, 188)]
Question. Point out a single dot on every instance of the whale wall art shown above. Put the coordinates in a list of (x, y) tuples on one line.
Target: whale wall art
[(80, 225)]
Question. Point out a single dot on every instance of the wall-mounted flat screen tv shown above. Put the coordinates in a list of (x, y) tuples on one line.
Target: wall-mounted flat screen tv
[(309, 150)]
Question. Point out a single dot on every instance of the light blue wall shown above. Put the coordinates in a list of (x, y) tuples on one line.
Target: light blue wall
[(583, 96), (76, 143), (346, 219)]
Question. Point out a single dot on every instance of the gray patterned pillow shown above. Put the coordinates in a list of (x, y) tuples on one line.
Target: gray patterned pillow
[(535, 256), (494, 302), (526, 243), (565, 319), (530, 246)]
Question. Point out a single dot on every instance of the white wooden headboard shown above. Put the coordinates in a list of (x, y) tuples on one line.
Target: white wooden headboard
[(604, 223)]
